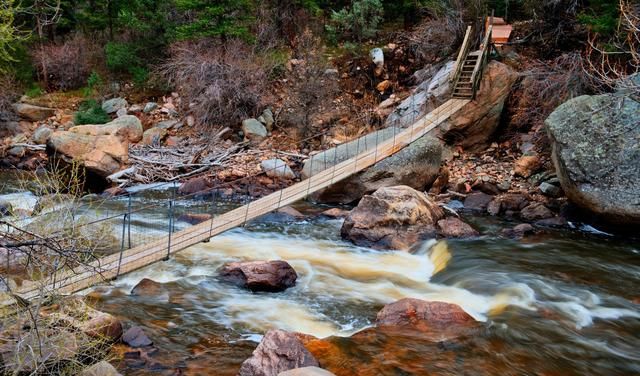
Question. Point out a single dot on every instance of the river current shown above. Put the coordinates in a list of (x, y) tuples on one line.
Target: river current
[(559, 303)]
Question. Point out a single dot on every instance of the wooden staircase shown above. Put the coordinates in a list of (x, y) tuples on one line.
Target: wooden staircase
[(464, 85), (467, 71)]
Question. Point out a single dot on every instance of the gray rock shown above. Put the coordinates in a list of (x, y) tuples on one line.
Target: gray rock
[(253, 130), (136, 108), (306, 371), (136, 337), (150, 106), (267, 119), (331, 72), (167, 124), (595, 150), (17, 151), (121, 112), (549, 189), (41, 135), (278, 351), (102, 368), (154, 136), (431, 93), (277, 168), (377, 56), (113, 105), (33, 113), (11, 128), (416, 166), (5, 208)]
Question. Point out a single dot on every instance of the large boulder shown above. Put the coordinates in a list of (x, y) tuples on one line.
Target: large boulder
[(33, 113), (126, 128), (101, 155), (595, 143), (278, 351), (416, 166), (429, 94), (392, 218), (472, 126), (272, 276), (422, 314)]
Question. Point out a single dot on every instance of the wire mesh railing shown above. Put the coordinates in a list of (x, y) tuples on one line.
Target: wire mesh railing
[(147, 232)]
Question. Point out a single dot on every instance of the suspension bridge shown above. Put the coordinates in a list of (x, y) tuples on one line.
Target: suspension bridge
[(464, 80)]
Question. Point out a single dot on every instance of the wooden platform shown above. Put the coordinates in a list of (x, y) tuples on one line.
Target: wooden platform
[(113, 265)]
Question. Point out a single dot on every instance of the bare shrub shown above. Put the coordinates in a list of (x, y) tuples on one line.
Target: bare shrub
[(221, 83), (311, 89), (67, 64), (436, 38), (546, 85), (611, 66), (8, 94)]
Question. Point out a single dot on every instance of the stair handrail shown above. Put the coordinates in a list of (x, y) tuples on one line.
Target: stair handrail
[(482, 60), (462, 55)]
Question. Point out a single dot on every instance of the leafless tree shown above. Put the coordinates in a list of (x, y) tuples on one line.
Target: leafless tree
[(611, 67)]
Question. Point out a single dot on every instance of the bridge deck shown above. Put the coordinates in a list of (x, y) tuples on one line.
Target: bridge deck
[(111, 266)]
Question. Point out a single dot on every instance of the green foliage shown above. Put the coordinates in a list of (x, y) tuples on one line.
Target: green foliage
[(34, 91), (93, 83), (601, 16), (140, 75), (358, 22), (226, 19), (120, 56), (9, 34), (90, 112)]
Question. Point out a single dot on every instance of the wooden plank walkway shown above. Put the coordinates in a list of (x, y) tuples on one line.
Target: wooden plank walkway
[(111, 266)]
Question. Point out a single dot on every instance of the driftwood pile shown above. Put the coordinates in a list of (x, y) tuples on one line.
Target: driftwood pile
[(161, 163)]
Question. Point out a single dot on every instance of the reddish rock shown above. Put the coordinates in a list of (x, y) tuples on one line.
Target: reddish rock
[(272, 276), (441, 181), (454, 227), (194, 219), (288, 210), (512, 201), (494, 207), (422, 314), (527, 165), (535, 211), (149, 288), (195, 185), (278, 351), (477, 201), (335, 213), (392, 218), (518, 231)]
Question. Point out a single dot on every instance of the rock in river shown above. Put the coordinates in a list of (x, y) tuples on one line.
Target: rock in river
[(272, 276), (595, 144), (422, 314), (278, 351), (392, 218)]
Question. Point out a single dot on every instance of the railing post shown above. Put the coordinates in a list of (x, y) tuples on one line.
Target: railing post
[(129, 221), (124, 225), (171, 203)]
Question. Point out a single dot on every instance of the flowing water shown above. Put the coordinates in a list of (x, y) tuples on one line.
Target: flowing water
[(562, 303)]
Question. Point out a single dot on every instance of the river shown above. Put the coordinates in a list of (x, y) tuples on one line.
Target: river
[(560, 303)]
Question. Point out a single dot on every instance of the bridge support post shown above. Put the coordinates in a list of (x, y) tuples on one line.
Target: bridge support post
[(171, 203), (124, 225)]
